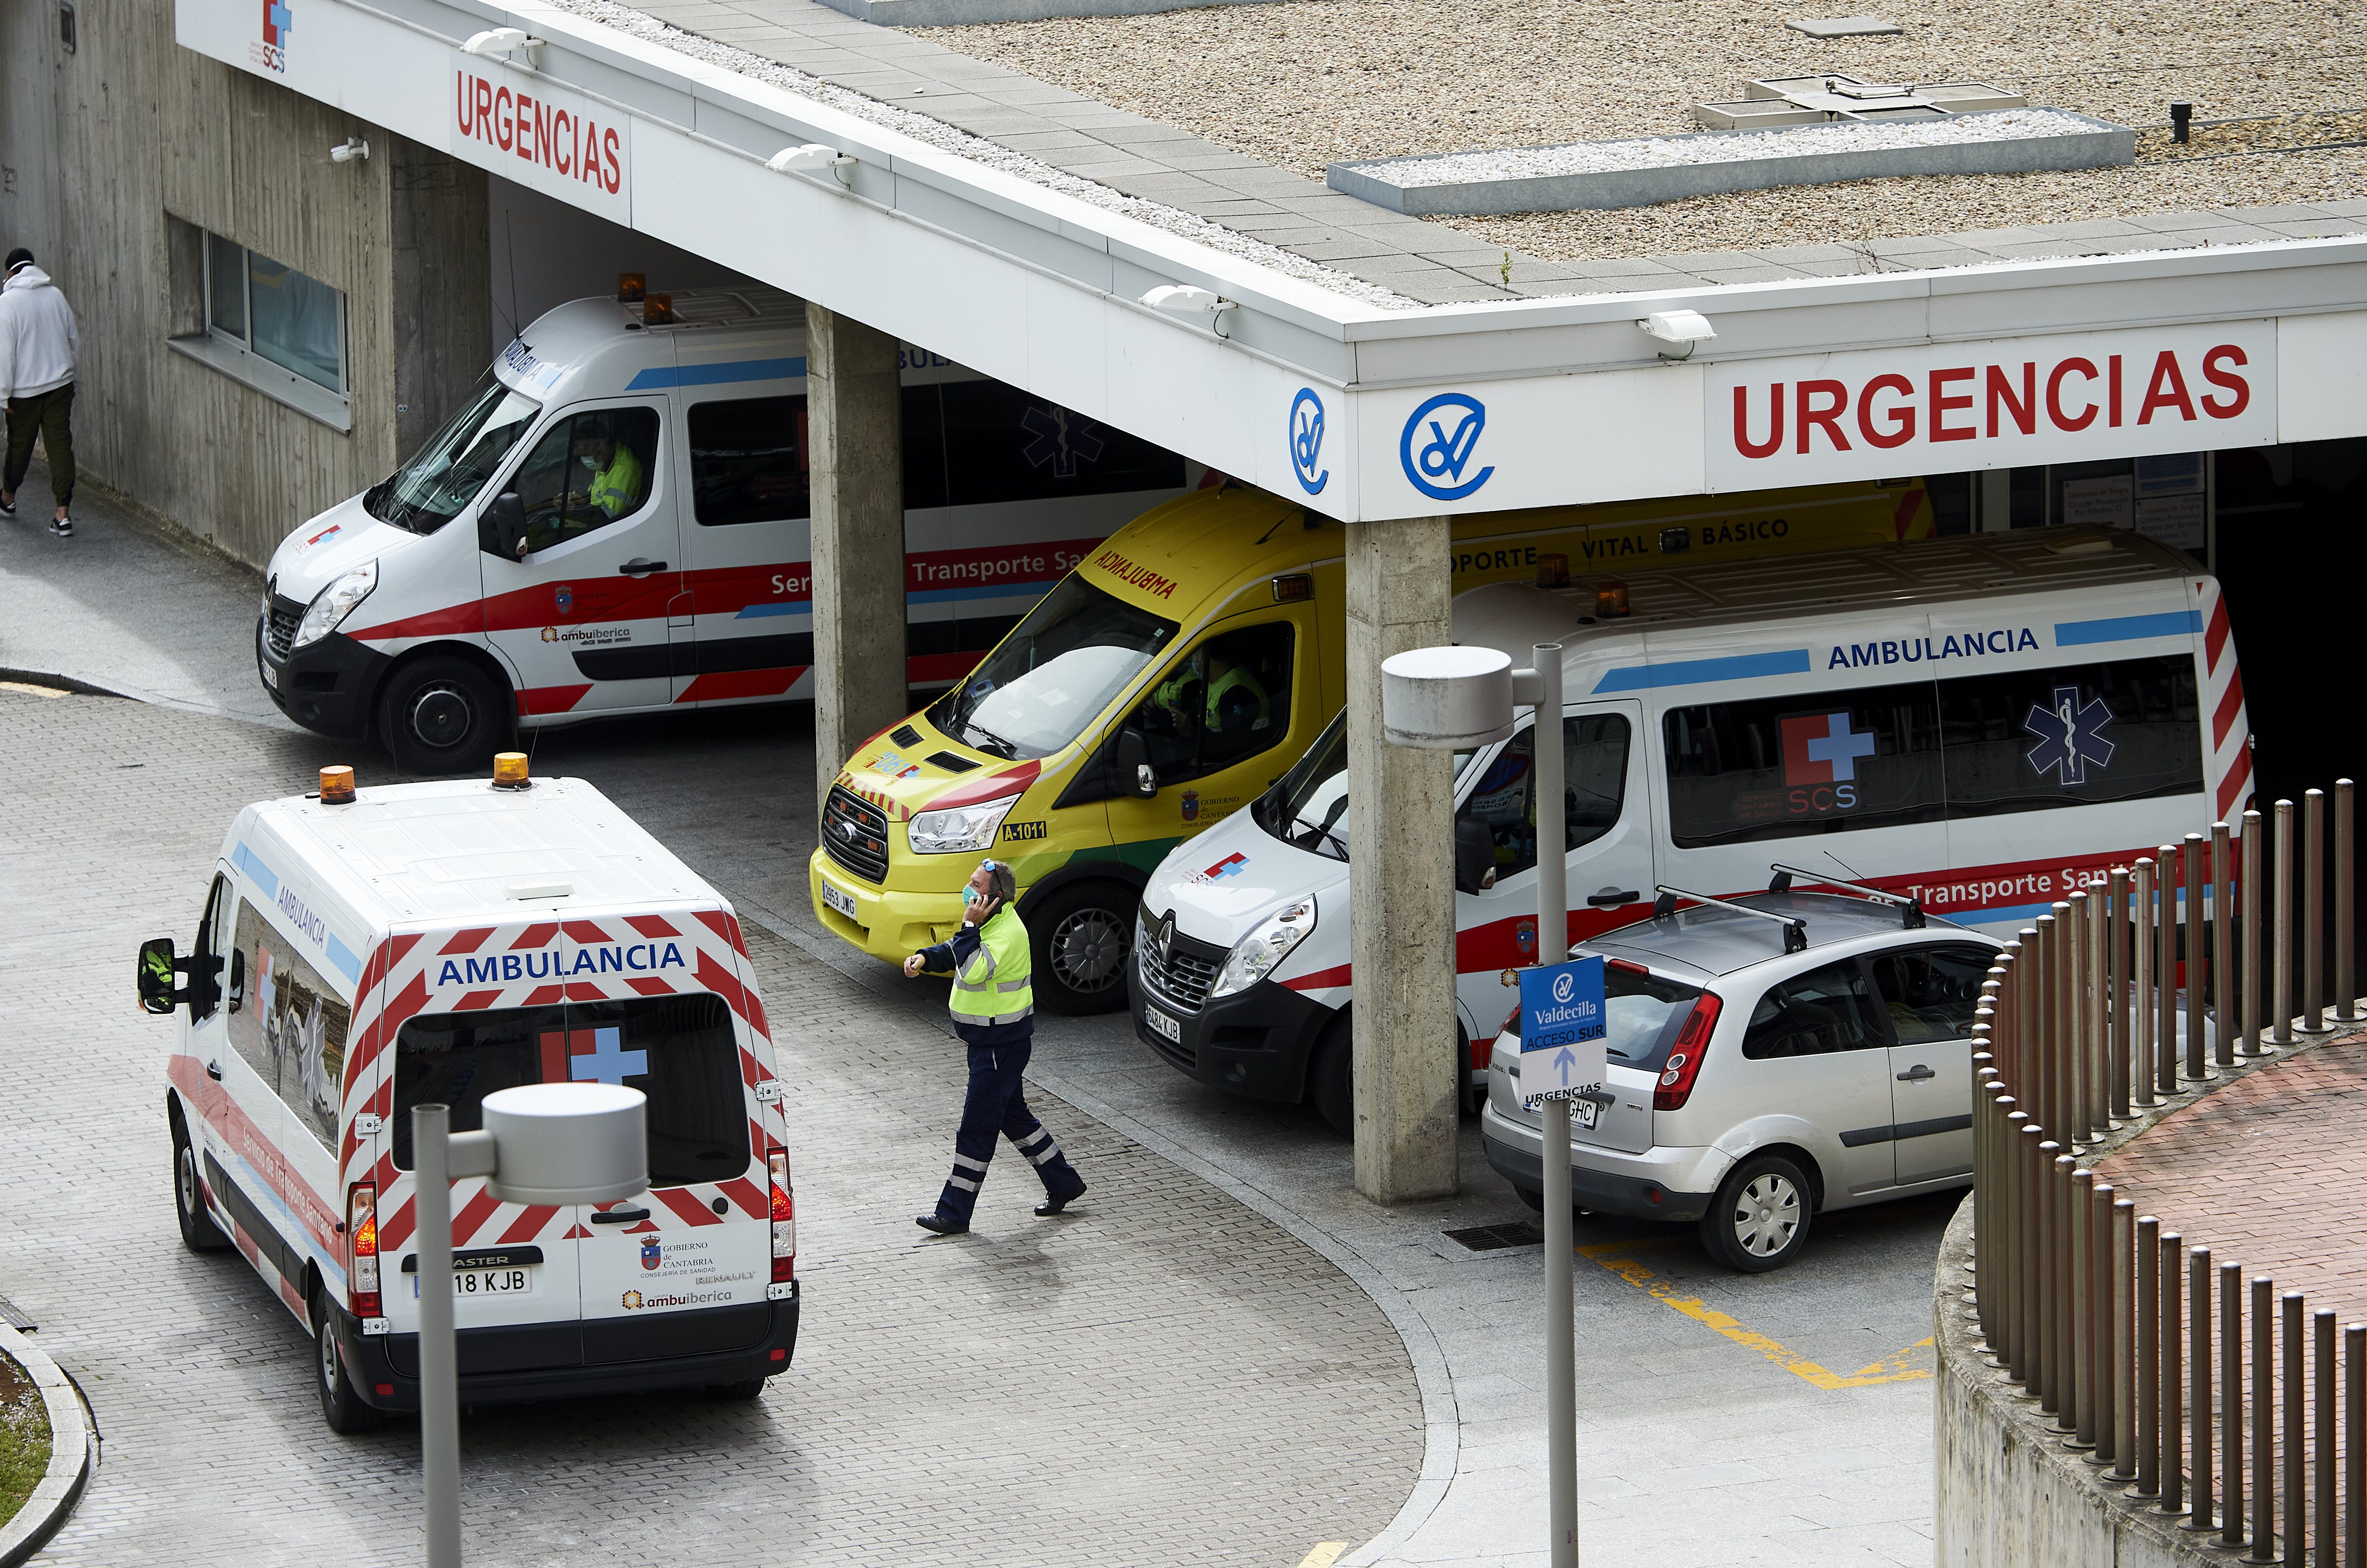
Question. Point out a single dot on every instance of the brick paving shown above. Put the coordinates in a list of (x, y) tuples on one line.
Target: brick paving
[(1166, 1376), (2263, 1172)]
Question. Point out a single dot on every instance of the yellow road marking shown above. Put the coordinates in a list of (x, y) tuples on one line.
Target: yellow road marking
[(28, 688), (1609, 1257), (1326, 1553)]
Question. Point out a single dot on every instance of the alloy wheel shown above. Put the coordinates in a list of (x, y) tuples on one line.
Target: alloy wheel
[(1766, 1216), (1088, 951)]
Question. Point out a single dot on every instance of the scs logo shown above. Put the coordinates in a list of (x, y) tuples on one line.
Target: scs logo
[(1820, 757)]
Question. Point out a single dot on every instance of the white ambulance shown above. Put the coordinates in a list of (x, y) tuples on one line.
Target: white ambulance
[(437, 943), (1984, 724), (615, 521)]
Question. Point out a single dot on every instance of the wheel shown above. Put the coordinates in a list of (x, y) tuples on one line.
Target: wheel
[(341, 1406), (1082, 935), (741, 1392), (1331, 1076), (198, 1232), (1759, 1219), (442, 715)]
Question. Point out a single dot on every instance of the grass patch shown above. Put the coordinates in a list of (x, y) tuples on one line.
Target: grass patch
[(24, 1438)]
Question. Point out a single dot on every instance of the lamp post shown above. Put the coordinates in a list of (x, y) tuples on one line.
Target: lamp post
[(1457, 699), (556, 1144)]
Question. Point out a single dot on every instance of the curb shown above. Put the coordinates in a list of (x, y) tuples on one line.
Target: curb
[(73, 1452), (1441, 1419), (61, 682)]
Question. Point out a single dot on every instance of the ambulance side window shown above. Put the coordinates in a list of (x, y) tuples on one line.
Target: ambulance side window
[(588, 470), (1593, 789), (2083, 735), (1227, 700), (291, 1030), (1822, 761), (749, 462)]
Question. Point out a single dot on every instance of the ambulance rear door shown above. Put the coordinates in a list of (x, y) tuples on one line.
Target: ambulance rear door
[(591, 615)]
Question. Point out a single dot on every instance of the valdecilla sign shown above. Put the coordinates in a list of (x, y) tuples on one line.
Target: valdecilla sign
[(1562, 1020)]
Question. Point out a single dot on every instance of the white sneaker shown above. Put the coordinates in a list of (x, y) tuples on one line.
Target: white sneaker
[(62, 529)]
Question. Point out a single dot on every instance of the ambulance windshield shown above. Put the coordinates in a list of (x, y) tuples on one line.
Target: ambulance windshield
[(1055, 673), (429, 491), (1307, 806)]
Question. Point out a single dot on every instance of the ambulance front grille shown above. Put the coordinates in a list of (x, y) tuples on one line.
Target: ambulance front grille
[(855, 833), (1181, 978), (285, 614)]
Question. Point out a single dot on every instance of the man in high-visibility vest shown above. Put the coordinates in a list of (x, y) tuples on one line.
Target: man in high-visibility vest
[(994, 1005)]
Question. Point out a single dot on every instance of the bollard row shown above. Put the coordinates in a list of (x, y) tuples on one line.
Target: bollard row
[(2125, 995)]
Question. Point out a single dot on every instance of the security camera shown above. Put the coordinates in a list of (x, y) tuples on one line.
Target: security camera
[(353, 147)]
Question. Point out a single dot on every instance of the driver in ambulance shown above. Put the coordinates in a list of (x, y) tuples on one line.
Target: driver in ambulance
[(619, 478)]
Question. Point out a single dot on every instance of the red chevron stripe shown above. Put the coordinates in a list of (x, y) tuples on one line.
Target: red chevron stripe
[(543, 996), (472, 1216), (649, 984), (2232, 786), (723, 983), (536, 936), (686, 1207), (2230, 707), (652, 925), (2214, 636), (476, 1001), (585, 931), (585, 991), (746, 1196), (467, 941), (528, 1225)]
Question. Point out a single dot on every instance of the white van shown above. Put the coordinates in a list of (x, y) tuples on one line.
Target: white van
[(1982, 723), (438, 942), (656, 449)]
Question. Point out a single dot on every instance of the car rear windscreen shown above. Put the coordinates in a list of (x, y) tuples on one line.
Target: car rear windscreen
[(1644, 1011), (679, 1051)]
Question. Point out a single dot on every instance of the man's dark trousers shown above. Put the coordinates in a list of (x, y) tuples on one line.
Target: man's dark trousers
[(47, 414), (996, 1106)]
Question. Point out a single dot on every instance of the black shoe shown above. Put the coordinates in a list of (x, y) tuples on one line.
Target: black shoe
[(1051, 1206), (942, 1225), (8, 507), (62, 529)]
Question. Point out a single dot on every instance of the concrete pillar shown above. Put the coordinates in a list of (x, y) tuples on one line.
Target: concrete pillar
[(1401, 900), (854, 435), (1994, 490)]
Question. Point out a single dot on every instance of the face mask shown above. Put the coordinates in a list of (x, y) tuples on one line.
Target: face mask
[(970, 897)]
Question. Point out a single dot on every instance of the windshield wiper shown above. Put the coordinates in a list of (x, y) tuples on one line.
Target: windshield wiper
[(1010, 748), (1323, 828)]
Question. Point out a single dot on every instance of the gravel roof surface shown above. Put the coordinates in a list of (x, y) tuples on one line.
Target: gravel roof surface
[(1314, 82)]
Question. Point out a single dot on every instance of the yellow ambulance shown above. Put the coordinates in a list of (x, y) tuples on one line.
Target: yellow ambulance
[(1172, 678)]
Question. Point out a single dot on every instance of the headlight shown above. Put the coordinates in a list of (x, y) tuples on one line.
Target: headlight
[(958, 828), (1255, 956), (334, 603)]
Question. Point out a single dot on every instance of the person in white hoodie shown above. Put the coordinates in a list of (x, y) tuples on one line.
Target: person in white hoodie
[(38, 345)]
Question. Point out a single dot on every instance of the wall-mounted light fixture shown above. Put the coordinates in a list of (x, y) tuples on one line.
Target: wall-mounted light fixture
[(1688, 329), (813, 158), (1183, 300), (504, 41)]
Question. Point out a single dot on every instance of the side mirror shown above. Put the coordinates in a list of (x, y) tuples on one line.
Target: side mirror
[(237, 979), (1475, 855), (1134, 769), (501, 527), (156, 975)]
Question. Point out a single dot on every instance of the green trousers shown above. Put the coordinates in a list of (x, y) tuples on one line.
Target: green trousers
[(47, 415)]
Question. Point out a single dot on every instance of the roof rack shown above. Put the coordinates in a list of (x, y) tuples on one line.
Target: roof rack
[(1795, 929), (1910, 910)]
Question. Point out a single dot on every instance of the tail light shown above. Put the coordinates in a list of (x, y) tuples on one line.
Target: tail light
[(785, 1219), (1685, 1057), (1512, 1023), (361, 1250)]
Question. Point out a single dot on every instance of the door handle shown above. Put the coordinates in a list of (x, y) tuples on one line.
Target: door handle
[(620, 1216), (1917, 1074), (640, 565), (213, 1071), (1611, 899)]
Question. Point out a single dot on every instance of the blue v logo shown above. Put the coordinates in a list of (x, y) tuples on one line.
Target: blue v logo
[(1307, 440), (1435, 467)]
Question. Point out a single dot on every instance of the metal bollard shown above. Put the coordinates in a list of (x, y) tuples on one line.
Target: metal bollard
[(2264, 1426), (2198, 1385), (2096, 1024), (2080, 1411), (2069, 1106), (2248, 1041), (2077, 962), (2107, 1315), (2354, 1445), (2116, 916), (2321, 1357), (2346, 962), (2231, 1403), (2313, 903), (2018, 1283), (2047, 1347), (2029, 1085), (2223, 939), (2165, 966), (2281, 933), (2197, 1028), (1985, 1222), (2170, 1420), (2296, 1432), (2063, 1356), (2148, 1356), (2141, 1008)]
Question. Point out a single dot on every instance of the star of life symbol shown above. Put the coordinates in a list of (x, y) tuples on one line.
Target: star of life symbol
[(1061, 439), (2070, 736)]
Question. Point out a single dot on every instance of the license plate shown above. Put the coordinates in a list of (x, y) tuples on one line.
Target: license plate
[(832, 899), (1582, 1113), (473, 1282), (270, 676), (1163, 1025)]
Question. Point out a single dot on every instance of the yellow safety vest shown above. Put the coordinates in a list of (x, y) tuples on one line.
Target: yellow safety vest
[(615, 488), (993, 986)]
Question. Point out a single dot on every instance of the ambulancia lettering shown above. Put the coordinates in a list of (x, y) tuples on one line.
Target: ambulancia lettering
[(1134, 576), (560, 964), (1915, 650)]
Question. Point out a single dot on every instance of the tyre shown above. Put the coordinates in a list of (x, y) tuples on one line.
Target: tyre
[(1331, 1076), (1759, 1218), (341, 1406), (744, 1392), (443, 715), (198, 1232), (1081, 936)]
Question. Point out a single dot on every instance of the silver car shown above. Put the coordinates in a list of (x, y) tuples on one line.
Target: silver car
[(1769, 1058)]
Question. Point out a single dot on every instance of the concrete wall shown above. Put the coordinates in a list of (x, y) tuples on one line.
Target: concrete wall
[(99, 146), (2006, 1491), (546, 253)]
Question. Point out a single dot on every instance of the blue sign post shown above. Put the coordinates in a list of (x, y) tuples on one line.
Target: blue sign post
[(1561, 1034)]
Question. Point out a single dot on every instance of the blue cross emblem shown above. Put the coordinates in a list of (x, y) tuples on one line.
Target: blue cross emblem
[(1841, 746), (2069, 736), (606, 1062), (280, 18)]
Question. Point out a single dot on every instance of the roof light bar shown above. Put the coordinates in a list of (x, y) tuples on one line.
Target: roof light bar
[(1795, 929), (1910, 910)]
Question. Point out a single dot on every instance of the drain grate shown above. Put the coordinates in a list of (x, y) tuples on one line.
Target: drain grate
[(14, 1316), (1495, 1238)]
